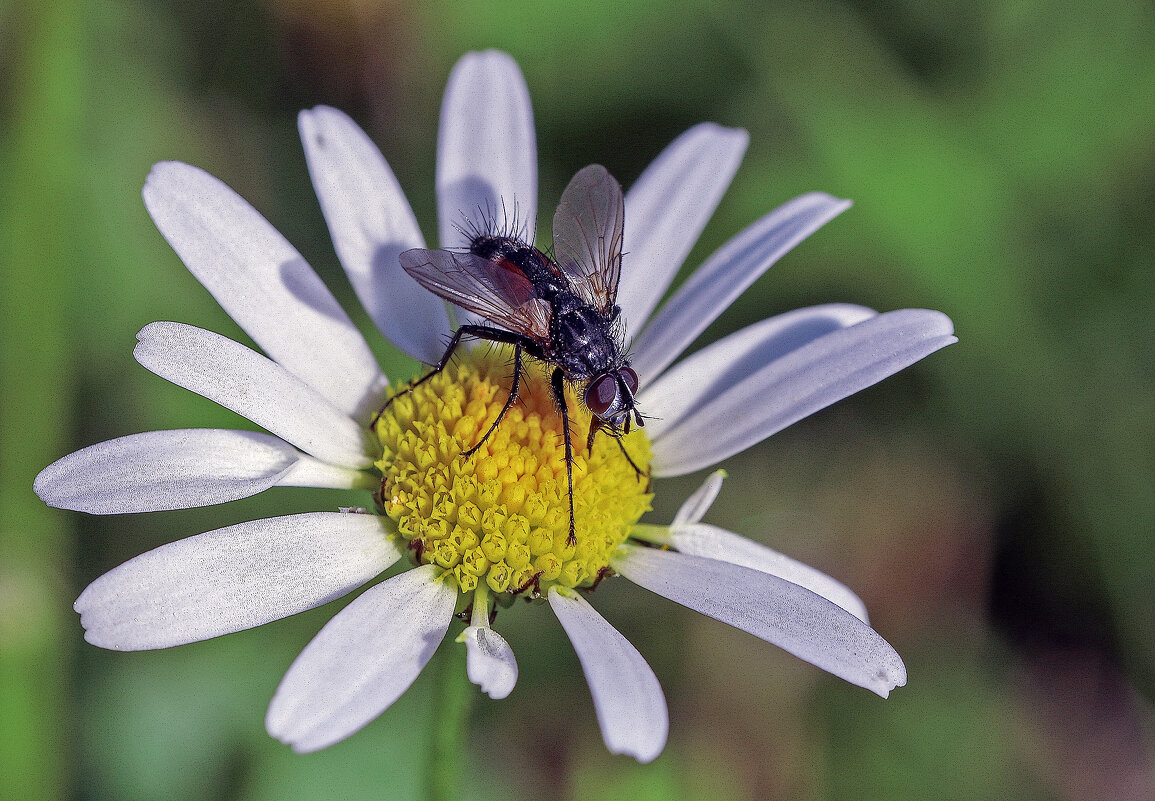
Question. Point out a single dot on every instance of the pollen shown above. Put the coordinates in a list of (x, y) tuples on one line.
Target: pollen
[(501, 515)]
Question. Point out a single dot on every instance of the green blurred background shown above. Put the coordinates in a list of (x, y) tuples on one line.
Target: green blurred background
[(993, 505)]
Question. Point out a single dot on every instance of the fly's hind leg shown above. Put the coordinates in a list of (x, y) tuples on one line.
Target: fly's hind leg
[(454, 341), (513, 389), (477, 332)]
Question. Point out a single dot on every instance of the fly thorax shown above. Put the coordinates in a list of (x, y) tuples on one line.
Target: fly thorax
[(583, 344)]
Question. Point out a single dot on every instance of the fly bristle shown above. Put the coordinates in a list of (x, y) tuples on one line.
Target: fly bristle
[(490, 222)]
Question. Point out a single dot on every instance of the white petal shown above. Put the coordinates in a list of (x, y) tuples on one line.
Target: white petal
[(627, 697), (264, 284), (666, 210), (773, 609), (797, 385), (489, 661), (702, 539), (160, 470), (310, 472), (711, 371), (696, 506), (362, 660), (725, 275), (233, 579), (486, 148), (254, 386), (371, 222)]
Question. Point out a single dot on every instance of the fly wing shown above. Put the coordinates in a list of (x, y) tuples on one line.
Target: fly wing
[(587, 235), (500, 295)]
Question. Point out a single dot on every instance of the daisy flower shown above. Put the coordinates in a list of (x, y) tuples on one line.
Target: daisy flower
[(477, 532)]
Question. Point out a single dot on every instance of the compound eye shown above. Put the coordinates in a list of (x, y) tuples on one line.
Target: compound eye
[(630, 379), (601, 395)]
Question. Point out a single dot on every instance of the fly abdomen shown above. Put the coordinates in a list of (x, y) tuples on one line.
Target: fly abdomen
[(498, 248), (511, 253)]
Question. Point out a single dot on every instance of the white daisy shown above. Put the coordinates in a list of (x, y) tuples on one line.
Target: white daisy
[(484, 530)]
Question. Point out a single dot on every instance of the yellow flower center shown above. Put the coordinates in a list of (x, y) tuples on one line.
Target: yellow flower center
[(501, 516)]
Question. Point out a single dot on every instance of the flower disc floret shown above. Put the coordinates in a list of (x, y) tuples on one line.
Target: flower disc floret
[(501, 515)]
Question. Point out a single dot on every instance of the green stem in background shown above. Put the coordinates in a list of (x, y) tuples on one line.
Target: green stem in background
[(39, 179), (452, 701)]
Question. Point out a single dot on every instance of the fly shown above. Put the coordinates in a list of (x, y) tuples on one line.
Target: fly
[(561, 310)]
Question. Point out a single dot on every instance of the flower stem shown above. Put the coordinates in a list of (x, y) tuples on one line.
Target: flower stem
[(47, 229), (452, 700)]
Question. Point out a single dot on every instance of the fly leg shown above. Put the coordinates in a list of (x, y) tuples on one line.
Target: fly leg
[(454, 341), (477, 332), (637, 470), (557, 381), (514, 386), (597, 425)]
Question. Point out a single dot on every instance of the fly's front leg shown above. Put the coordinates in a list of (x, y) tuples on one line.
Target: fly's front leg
[(557, 381), (637, 470), (597, 425)]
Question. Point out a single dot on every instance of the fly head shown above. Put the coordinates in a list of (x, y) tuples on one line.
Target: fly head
[(610, 398)]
